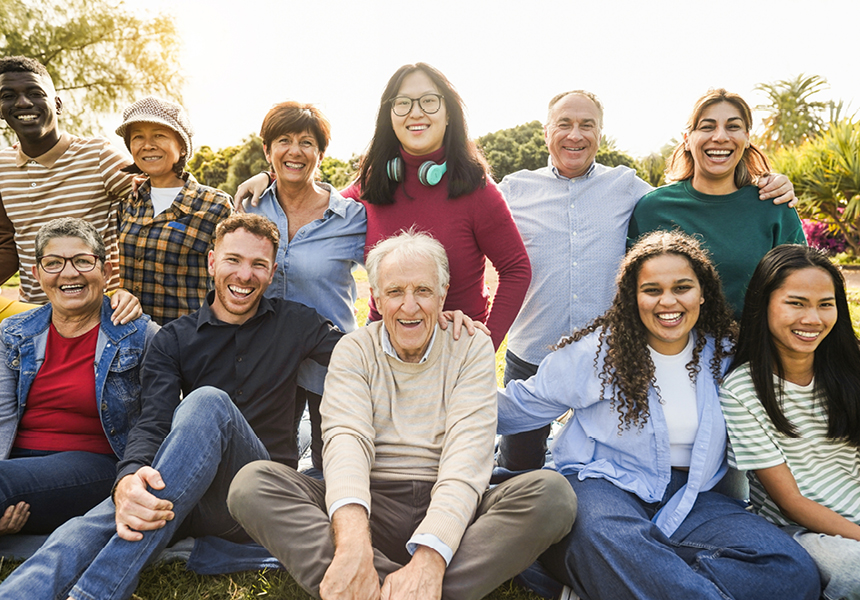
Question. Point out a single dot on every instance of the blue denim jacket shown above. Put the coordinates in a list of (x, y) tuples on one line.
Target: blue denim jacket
[(590, 445), (119, 353)]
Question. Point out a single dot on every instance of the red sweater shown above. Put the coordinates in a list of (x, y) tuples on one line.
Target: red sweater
[(472, 228)]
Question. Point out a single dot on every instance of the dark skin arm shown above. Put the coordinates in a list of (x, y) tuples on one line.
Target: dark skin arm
[(8, 251)]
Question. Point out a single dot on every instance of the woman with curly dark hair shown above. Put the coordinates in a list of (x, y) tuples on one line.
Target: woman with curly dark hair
[(646, 443)]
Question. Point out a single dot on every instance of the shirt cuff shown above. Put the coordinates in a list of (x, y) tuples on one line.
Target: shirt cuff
[(344, 501), (431, 541)]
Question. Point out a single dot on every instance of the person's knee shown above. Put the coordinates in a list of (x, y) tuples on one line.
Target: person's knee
[(204, 403), (244, 493), (553, 502)]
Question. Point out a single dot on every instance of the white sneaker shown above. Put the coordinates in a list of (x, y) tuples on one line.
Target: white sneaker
[(568, 594)]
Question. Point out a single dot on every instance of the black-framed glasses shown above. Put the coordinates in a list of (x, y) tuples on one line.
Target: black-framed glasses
[(82, 263), (429, 103)]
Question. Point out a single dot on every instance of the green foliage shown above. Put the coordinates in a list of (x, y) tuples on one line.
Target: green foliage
[(514, 149), (101, 55), (793, 117), (338, 173), (652, 167), (826, 176), (245, 161), (210, 167)]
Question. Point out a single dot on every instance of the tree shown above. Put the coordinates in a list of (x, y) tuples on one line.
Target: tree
[(101, 55), (793, 117), (652, 167), (510, 150), (826, 175), (338, 173), (248, 160), (211, 168)]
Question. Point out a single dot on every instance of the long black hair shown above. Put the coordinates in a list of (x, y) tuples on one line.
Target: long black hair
[(836, 365), (467, 168)]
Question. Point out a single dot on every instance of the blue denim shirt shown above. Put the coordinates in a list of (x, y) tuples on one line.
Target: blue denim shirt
[(590, 445), (119, 353)]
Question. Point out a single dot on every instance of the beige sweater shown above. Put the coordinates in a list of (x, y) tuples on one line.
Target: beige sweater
[(435, 421)]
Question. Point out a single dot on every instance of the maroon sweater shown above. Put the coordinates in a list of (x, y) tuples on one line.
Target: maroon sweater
[(472, 228)]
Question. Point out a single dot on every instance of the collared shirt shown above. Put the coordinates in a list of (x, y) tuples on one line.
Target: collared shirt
[(254, 362), (164, 258), (575, 232), (315, 267), (388, 347), (589, 445), (78, 177)]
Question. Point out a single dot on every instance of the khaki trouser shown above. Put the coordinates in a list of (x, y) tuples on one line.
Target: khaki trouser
[(515, 522)]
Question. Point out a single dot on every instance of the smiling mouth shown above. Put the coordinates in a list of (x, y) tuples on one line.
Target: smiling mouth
[(150, 158), (807, 335), (718, 153), (72, 288), (292, 165), (572, 149), (27, 118), (242, 292), (669, 318), (417, 127), (411, 323)]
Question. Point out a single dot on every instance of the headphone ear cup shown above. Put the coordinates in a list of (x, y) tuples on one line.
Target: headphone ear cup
[(430, 173), (394, 168)]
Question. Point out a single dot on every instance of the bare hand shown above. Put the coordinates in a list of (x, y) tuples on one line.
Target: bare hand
[(126, 307), (351, 574), (136, 182), (253, 188), (778, 187), (421, 579), (460, 320), (138, 510), (14, 518)]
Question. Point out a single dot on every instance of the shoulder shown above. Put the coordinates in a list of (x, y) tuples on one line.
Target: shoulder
[(665, 192), (739, 384), (207, 194), (27, 323), (346, 206)]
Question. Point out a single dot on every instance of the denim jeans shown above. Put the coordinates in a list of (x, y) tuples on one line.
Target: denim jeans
[(56, 485), (208, 443), (838, 561), (720, 551), (527, 450)]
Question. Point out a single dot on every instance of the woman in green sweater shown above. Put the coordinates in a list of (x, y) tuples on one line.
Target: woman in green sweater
[(714, 197)]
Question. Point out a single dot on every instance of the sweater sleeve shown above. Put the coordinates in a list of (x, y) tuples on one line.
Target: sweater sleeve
[(466, 461), (500, 241), (347, 423)]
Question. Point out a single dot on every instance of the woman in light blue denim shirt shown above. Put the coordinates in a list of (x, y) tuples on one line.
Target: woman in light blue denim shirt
[(646, 443), (42, 484)]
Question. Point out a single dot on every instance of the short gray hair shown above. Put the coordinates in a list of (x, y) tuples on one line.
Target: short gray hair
[(409, 245), (69, 227), (593, 97)]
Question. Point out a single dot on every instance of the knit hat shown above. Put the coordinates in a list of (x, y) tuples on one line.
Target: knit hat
[(164, 112)]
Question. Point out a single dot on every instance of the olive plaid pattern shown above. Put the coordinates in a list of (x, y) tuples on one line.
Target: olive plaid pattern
[(163, 258)]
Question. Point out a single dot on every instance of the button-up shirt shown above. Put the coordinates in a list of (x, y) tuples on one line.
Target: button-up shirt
[(164, 257), (254, 362), (575, 232)]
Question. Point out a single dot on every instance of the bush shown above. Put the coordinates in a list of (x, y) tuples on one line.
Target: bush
[(819, 235)]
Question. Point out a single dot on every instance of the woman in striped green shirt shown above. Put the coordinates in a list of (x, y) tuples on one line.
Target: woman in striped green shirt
[(792, 407)]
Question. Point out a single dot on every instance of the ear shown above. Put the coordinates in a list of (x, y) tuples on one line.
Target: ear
[(211, 263), (702, 300), (36, 276), (443, 296), (107, 269), (686, 143), (59, 104)]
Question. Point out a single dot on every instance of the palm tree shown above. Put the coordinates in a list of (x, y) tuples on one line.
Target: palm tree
[(793, 117)]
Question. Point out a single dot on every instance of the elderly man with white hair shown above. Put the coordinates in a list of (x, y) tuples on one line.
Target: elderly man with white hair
[(408, 418)]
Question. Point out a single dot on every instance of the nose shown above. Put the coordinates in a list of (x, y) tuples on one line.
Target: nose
[(23, 101), (70, 268), (810, 316), (667, 298), (410, 304), (720, 134), (416, 111)]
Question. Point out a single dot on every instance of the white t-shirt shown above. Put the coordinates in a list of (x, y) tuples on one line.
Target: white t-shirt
[(162, 198), (678, 397)]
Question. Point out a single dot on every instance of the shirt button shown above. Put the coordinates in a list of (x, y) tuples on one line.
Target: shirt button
[(33, 184), (239, 392), (112, 431), (239, 359), (575, 296), (574, 233), (104, 405), (574, 264), (33, 162)]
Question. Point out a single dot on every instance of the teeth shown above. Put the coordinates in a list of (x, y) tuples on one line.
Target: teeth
[(73, 287), (574, 149), (810, 335), (416, 127), (26, 117), (718, 152), (151, 158), (669, 316), (240, 290), (293, 165), (405, 322)]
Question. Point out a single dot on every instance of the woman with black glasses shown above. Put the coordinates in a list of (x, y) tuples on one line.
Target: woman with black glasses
[(69, 385)]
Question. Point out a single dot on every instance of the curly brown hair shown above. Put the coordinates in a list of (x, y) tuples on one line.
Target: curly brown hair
[(627, 368)]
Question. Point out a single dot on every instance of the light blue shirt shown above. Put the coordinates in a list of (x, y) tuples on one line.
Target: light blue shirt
[(638, 461), (575, 231), (315, 267)]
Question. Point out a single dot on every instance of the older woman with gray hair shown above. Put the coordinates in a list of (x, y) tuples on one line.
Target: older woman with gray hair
[(166, 226), (63, 423)]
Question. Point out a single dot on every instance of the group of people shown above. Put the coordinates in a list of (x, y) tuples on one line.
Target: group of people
[(619, 302)]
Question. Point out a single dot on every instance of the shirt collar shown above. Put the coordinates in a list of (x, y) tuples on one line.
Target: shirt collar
[(206, 316), (560, 176), (389, 349), (50, 157)]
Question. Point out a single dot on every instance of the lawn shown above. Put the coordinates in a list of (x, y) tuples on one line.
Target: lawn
[(172, 582)]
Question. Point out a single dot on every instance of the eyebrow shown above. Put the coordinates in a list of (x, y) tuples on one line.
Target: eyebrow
[(677, 281), (804, 298)]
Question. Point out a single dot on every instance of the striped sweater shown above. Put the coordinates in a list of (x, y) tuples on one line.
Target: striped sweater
[(435, 421), (826, 470), (78, 177)]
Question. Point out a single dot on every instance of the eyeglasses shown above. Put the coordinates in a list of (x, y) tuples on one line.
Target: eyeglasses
[(429, 103), (82, 263)]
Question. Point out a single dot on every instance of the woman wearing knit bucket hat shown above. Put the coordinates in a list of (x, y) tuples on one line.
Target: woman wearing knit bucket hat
[(165, 228)]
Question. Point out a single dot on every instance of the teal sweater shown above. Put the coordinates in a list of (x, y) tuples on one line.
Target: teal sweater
[(738, 228)]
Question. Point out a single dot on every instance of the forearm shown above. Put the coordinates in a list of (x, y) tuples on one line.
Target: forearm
[(818, 518)]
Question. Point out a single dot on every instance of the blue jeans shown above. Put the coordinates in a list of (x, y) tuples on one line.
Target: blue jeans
[(526, 450), (720, 551), (208, 443), (56, 485)]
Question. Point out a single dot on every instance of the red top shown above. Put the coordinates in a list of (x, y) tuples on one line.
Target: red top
[(61, 412), (472, 228)]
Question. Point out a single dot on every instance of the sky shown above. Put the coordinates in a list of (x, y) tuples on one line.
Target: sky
[(647, 61)]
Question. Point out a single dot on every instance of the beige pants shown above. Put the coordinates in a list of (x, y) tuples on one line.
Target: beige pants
[(515, 522)]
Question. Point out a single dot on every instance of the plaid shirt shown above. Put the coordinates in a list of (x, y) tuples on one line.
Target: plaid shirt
[(163, 259)]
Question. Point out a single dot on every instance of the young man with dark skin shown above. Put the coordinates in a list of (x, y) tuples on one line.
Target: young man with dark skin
[(48, 174)]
